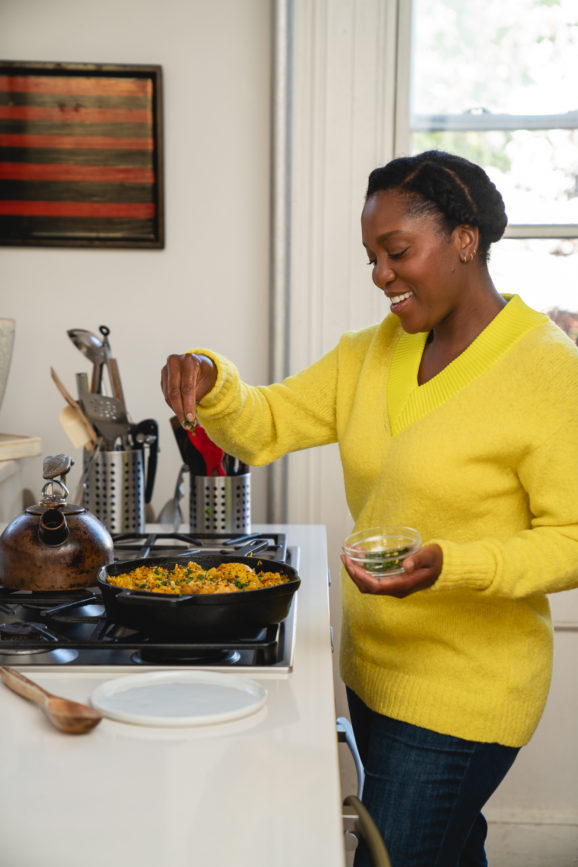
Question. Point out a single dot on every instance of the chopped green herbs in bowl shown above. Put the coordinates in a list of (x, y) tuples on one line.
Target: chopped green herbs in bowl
[(382, 550)]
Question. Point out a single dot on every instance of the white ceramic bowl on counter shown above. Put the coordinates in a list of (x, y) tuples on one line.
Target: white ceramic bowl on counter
[(7, 329)]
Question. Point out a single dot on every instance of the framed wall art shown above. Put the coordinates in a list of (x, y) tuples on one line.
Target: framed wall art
[(81, 155)]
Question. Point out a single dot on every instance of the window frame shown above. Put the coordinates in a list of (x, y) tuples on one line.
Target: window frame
[(405, 125)]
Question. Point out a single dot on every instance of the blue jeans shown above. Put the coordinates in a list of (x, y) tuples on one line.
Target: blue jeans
[(425, 790)]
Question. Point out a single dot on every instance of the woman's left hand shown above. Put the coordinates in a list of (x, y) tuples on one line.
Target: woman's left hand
[(421, 570)]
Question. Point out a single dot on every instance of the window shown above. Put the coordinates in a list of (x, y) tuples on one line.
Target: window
[(495, 82)]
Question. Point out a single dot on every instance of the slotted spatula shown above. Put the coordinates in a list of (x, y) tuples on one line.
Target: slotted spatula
[(108, 416)]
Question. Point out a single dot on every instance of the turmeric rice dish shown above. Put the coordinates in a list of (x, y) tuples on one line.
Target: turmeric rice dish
[(192, 578)]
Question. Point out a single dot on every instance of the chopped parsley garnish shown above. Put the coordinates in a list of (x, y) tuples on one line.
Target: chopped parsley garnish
[(191, 426), (384, 561)]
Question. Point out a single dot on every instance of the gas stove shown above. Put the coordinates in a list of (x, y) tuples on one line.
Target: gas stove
[(71, 628)]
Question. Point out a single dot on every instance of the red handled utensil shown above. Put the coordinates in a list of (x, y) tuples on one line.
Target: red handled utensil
[(212, 454)]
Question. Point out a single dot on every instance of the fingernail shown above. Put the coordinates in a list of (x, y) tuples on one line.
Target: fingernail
[(189, 416)]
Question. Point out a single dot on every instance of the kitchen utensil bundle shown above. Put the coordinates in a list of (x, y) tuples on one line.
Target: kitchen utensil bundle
[(99, 353), (106, 412), (220, 484), (211, 454), (202, 456), (115, 483)]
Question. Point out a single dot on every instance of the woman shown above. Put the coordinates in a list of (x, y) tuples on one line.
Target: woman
[(457, 415)]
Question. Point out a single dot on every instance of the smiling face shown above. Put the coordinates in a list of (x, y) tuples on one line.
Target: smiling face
[(416, 262)]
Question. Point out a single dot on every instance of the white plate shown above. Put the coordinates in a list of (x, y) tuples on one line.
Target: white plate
[(178, 698)]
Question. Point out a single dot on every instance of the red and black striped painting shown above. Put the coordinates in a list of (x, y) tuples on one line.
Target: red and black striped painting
[(80, 155)]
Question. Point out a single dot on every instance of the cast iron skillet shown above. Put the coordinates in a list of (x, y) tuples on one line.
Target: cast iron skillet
[(199, 616)]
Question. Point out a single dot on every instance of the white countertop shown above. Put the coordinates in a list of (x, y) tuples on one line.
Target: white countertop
[(263, 791)]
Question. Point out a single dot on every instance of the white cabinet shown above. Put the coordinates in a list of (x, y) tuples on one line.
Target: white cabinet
[(542, 786)]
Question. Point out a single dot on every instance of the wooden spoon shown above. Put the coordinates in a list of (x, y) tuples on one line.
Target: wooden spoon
[(91, 437), (68, 716), (73, 427)]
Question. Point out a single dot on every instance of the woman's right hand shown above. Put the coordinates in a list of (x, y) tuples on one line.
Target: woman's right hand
[(185, 380)]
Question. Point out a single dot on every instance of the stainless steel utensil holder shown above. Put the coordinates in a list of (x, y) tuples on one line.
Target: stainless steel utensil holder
[(220, 504), (114, 489)]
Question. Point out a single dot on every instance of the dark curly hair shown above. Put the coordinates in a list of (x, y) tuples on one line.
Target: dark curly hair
[(458, 191)]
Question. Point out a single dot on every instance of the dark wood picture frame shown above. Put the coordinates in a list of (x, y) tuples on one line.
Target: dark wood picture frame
[(81, 155)]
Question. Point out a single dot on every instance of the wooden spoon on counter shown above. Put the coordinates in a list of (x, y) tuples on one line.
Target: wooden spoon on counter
[(68, 716)]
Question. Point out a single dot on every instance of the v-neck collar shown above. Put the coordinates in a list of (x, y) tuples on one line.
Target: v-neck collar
[(407, 401)]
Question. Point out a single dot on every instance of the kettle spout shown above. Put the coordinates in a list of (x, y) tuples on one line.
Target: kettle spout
[(53, 529)]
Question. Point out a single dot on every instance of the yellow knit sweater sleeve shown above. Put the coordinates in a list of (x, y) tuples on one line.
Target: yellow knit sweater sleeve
[(259, 424), (544, 557)]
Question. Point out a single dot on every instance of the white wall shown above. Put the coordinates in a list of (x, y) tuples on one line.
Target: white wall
[(343, 103), (210, 284)]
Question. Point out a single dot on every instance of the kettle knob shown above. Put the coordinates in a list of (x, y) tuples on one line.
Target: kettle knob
[(56, 465), (53, 467)]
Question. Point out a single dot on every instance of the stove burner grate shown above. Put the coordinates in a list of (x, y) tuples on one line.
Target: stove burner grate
[(185, 656), (18, 632), (21, 631), (56, 627), (129, 546)]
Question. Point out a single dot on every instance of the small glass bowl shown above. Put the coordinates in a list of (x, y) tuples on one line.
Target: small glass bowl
[(381, 550)]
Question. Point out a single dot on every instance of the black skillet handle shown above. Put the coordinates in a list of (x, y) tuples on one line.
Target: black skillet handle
[(129, 597)]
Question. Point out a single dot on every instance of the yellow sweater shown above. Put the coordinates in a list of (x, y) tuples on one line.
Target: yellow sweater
[(483, 459)]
